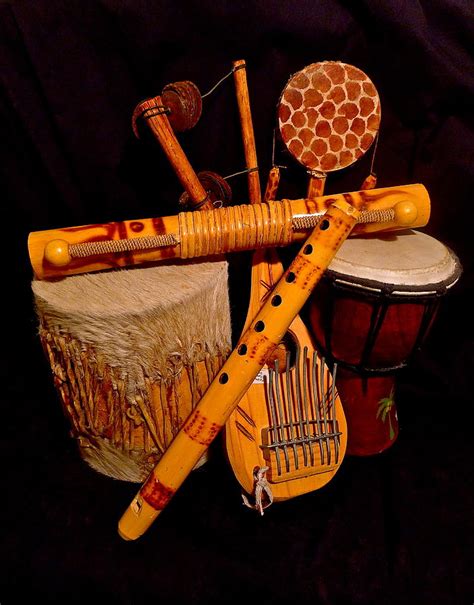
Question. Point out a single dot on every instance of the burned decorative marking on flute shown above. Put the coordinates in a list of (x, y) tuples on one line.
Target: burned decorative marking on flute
[(356, 201), (260, 349), (305, 270), (155, 493), (200, 429), (137, 226)]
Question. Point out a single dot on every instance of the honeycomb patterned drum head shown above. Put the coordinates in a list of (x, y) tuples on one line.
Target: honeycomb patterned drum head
[(328, 115)]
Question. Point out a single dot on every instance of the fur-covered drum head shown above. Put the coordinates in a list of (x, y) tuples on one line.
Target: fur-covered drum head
[(328, 115), (132, 352)]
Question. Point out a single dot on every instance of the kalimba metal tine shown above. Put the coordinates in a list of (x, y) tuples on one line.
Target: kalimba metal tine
[(273, 437), (316, 399), (289, 400), (323, 408), (283, 440), (305, 404), (299, 405), (335, 426)]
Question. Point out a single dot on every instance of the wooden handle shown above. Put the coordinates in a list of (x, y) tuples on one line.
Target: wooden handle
[(316, 184), (153, 111), (71, 250), (243, 102), (240, 369)]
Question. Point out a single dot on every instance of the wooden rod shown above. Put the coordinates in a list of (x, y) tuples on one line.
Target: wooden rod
[(218, 231), (273, 181), (316, 184), (248, 137)]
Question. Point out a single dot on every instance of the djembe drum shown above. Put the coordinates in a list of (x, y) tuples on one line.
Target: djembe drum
[(369, 315), (132, 352)]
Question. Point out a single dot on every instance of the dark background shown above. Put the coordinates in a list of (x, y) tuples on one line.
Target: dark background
[(394, 528)]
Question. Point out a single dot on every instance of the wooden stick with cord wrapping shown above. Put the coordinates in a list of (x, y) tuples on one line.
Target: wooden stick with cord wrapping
[(71, 250), (240, 369)]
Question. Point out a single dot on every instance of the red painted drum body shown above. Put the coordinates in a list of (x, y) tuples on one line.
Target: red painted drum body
[(369, 315)]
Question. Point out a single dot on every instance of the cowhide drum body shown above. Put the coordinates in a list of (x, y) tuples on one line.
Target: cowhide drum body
[(132, 352)]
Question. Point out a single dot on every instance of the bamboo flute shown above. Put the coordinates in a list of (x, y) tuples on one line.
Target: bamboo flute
[(240, 369)]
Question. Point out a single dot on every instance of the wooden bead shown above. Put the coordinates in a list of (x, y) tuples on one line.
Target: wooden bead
[(56, 252), (369, 183), (184, 101), (405, 213)]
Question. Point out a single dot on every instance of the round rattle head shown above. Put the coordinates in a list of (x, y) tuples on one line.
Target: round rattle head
[(328, 115), (184, 101), (217, 188)]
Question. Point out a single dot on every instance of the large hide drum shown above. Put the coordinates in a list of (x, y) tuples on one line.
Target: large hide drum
[(132, 352), (369, 315)]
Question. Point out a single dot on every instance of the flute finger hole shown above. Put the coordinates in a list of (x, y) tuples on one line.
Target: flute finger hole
[(308, 249), (242, 350), (224, 378), (290, 278), (276, 300), (259, 326), (324, 224)]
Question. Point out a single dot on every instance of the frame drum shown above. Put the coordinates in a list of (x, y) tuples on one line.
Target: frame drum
[(369, 315), (132, 352)]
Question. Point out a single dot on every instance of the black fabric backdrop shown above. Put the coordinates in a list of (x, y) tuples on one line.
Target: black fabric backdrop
[(388, 529)]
